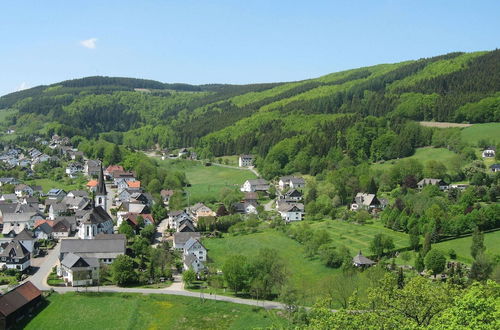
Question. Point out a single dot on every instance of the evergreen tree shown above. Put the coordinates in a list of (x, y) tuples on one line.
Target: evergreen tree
[(427, 243), (419, 263), (477, 246), (401, 278)]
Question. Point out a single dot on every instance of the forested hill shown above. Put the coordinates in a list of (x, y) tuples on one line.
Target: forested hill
[(366, 113)]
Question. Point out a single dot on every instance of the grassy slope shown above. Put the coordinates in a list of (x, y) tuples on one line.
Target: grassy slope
[(208, 181), (489, 132), (358, 237), (135, 311), (462, 246), (422, 154), (48, 184), (305, 273)]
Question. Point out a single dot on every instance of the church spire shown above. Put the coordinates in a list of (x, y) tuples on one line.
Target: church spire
[(101, 185)]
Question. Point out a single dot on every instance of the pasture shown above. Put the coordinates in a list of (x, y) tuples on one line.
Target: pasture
[(462, 246), (423, 155), (207, 181), (489, 132), (154, 311)]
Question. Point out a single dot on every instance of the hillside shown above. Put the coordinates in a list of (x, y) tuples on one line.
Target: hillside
[(303, 126)]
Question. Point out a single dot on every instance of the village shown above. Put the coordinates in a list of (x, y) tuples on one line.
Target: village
[(70, 238)]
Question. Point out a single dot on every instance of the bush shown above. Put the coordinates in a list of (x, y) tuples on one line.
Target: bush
[(452, 254)]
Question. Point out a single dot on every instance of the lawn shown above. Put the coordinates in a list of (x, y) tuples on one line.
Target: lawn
[(137, 311), (358, 237), (207, 181), (489, 132), (462, 246), (423, 155), (48, 184), (307, 274)]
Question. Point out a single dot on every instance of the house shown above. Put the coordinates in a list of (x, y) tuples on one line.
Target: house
[(9, 197), (245, 208), (291, 212), (75, 203), (193, 249), (104, 248), (61, 229), (43, 231), (133, 220), (111, 170), (28, 240), (292, 195), (123, 176), (14, 255), (19, 303), (186, 226), (183, 152), (141, 197), (201, 210), (361, 261), (134, 185), (56, 194), (93, 222), (364, 201), (459, 186), (22, 189), (92, 185), (251, 197), (245, 160), (175, 218), (23, 217), (57, 209), (73, 169), (180, 239), (191, 262), (79, 271), (495, 168), (165, 195), (435, 182), (255, 185), (133, 207), (78, 193), (489, 152), (292, 182), (75, 154), (92, 167)]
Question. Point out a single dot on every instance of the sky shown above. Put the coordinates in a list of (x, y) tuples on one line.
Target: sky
[(237, 42)]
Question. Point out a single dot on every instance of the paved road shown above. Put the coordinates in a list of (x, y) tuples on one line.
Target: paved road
[(39, 279)]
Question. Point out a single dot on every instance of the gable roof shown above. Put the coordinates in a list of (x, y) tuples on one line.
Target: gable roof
[(18, 297), (365, 199), (104, 245), (24, 234), (61, 226), (72, 260), (44, 227), (96, 216), (16, 249), (134, 184), (192, 241), (431, 181), (183, 237), (187, 226)]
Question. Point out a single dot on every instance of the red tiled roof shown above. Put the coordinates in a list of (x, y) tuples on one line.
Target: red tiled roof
[(92, 183), (113, 168), (133, 217), (134, 184), (41, 221)]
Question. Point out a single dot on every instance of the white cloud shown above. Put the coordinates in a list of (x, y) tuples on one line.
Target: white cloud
[(89, 43), (23, 85)]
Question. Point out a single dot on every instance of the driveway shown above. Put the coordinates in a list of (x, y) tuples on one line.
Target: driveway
[(39, 279)]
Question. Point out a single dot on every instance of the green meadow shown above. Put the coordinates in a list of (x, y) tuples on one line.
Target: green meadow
[(489, 132), (154, 311)]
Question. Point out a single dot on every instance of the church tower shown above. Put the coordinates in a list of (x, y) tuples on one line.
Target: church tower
[(101, 195)]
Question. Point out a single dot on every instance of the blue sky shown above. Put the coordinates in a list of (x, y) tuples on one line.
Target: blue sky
[(43, 42)]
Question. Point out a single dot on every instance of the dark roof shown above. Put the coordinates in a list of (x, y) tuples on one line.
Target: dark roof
[(116, 244), (360, 259), (96, 215), (18, 297), (101, 185), (72, 260), (45, 227), (182, 238), (15, 249), (61, 226), (251, 195), (187, 226), (24, 234)]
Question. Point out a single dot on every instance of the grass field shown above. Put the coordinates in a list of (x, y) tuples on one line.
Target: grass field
[(308, 275), (462, 246), (136, 311), (423, 155), (358, 237), (207, 181), (48, 184), (489, 132)]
